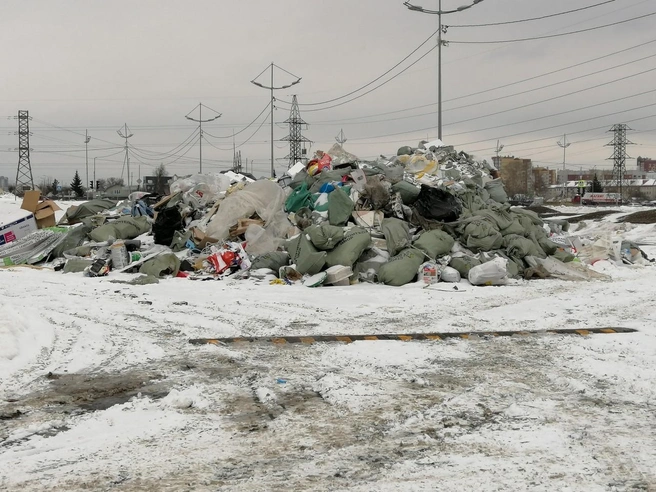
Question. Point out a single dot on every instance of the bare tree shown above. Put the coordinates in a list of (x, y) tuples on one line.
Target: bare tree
[(113, 182), (160, 182)]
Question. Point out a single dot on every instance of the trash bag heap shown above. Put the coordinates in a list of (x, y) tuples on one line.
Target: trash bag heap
[(429, 214)]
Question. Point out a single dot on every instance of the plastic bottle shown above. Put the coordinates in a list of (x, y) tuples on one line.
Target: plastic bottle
[(119, 255)]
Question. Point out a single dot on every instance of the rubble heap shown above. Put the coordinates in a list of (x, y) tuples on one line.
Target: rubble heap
[(430, 213)]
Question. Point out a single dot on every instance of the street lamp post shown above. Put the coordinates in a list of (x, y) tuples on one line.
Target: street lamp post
[(441, 30), (272, 88)]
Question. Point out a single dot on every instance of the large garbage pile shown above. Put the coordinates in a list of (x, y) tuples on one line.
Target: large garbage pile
[(428, 214)]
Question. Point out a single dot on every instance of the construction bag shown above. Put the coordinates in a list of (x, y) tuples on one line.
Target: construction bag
[(325, 237), (397, 235), (307, 259), (340, 207), (435, 243), (496, 190), (402, 268), (463, 264), (123, 228), (349, 249), (161, 265), (273, 261), (408, 192)]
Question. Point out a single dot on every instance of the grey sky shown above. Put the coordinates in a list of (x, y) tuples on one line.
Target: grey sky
[(99, 64)]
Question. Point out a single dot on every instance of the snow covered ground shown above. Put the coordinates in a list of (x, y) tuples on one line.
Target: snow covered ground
[(100, 389)]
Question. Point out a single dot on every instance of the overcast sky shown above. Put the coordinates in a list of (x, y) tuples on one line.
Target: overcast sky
[(96, 65)]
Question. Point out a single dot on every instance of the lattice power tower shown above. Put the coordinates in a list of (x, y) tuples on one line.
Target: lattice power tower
[(24, 180), (295, 137), (619, 156)]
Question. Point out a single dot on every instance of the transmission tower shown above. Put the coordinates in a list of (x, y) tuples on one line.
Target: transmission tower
[(24, 180), (341, 138), (295, 138), (619, 156)]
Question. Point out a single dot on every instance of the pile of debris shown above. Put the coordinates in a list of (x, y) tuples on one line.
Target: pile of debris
[(428, 214)]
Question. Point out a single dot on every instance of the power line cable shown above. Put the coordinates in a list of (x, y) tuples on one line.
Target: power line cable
[(554, 35), (244, 129), (493, 88), (375, 88), (571, 123), (174, 152), (531, 19), (553, 99), (373, 81)]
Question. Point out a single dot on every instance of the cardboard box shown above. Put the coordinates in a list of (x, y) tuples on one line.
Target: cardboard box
[(44, 211), (200, 238), (16, 225)]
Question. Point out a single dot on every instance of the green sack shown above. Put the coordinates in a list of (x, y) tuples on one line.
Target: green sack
[(272, 260), (75, 265), (498, 216), (496, 190), (402, 268), (122, 228), (299, 198), (349, 249), (408, 192), (325, 237), (530, 214), (518, 247), (161, 265), (563, 256), (397, 235), (180, 239), (481, 235), (515, 227), (340, 207), (547, 245), (307, 259), (74, 237), (463, 264), (435, 243)]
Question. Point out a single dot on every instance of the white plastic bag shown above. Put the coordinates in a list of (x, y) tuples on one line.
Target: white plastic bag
[(491, 273), (450, 274)]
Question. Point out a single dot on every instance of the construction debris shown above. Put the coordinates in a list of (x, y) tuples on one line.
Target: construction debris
[(428, 214)]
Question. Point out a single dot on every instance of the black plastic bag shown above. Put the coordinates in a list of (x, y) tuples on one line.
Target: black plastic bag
[(166, 223), (436, 204)]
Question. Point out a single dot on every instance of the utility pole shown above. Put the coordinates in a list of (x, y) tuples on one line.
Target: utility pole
[(200, 122), (126, 163), (441, 29), (272, 87), (564, 144), (619, 156), (87, 138)]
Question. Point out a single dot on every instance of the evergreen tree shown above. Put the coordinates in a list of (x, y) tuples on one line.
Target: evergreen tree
[(53, 187), (596, 185), (76, 185)]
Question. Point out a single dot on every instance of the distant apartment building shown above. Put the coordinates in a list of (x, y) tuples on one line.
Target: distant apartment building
[(4, 183), (543, 177), (646, 165), (516, 174)]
